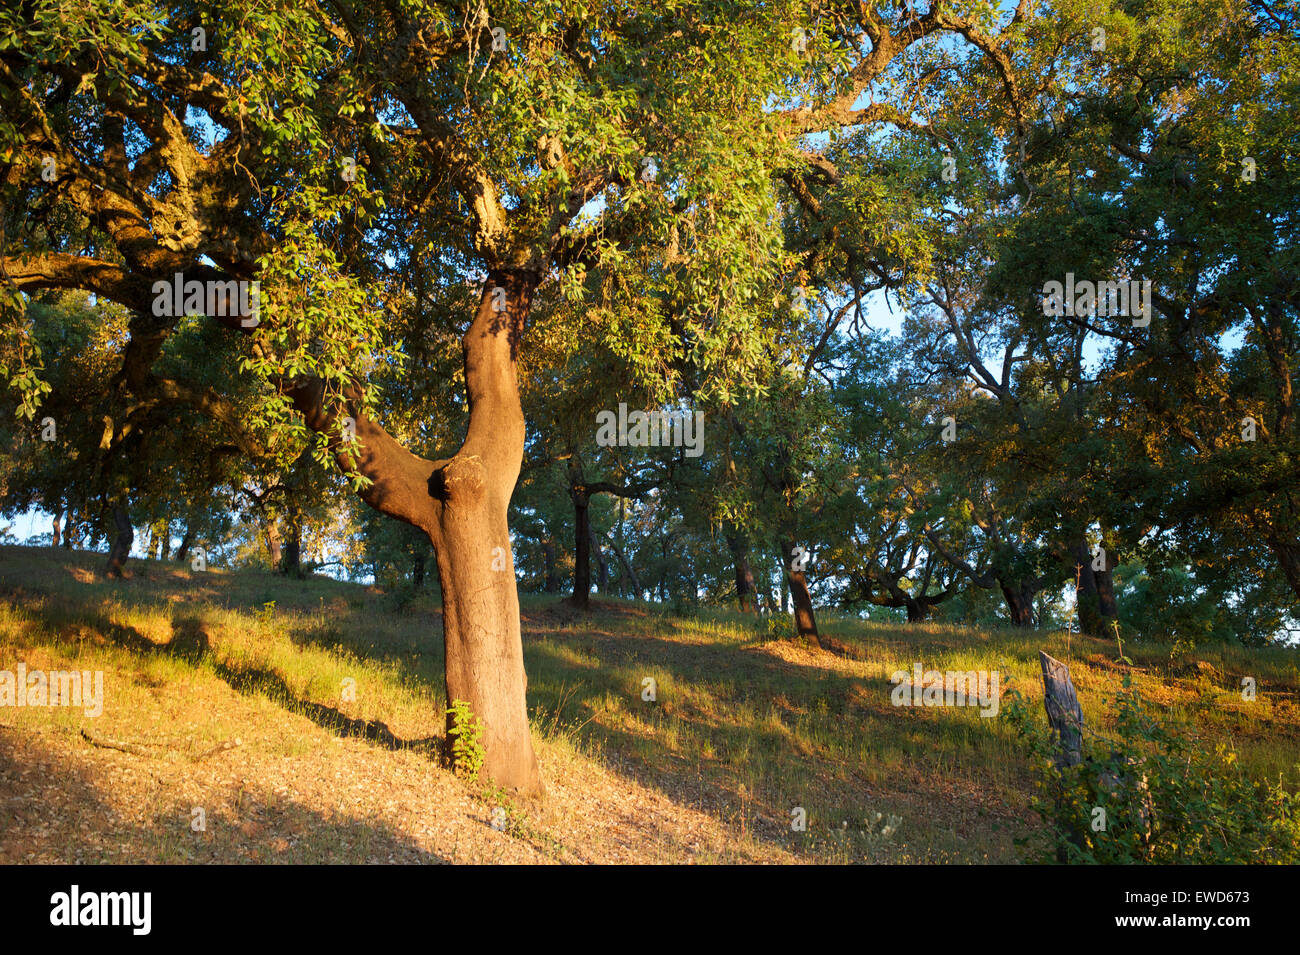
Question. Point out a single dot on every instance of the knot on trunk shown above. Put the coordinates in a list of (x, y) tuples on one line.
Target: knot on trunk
[(462, 479)]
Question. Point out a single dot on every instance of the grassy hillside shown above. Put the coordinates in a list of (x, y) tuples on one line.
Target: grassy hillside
[(745, 728)]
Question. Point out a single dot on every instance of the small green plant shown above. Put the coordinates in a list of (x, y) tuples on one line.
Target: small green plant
[(265, 615), (1153, 796), (779, 626), (1182, 648), (1119, 644), (467, 752)]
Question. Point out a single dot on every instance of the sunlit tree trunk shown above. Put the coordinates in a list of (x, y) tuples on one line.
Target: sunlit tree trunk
[(484, 657), (805, 622), (273, 549)]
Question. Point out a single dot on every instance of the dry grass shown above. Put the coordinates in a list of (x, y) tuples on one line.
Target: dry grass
[(744, 729)]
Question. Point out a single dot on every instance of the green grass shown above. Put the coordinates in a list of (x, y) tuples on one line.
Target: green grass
[(744, 727)]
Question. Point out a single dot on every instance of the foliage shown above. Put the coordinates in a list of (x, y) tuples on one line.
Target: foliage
[(467, 752), (1155, 796)]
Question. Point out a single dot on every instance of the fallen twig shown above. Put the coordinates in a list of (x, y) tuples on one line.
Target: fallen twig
[(131, 748)]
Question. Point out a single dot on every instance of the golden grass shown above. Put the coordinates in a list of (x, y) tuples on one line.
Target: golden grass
[(743, 729)]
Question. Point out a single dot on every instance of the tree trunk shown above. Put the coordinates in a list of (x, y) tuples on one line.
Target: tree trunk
[(633, 580), (1096, 598), (1288, 558), (617, 543), (1106, 601), (187, 541), (57, 527), (462, 504), (484, 657), (292, 563), (122, 541), (581, 551), (273, 549), (746, 592), (165, 540), (417, 571), (552, 582), (665, 587), (1020, 603), (805, 622)]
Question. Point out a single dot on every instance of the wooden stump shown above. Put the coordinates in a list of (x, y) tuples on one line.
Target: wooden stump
[(1063, 711)]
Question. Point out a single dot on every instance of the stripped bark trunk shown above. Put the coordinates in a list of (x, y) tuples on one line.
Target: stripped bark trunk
[(484, 647), (462, 504), (805, 621)]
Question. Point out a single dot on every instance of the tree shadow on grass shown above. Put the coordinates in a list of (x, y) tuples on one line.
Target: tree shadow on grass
[(776, 730), (268, 683), (192, 644), (58, 810)]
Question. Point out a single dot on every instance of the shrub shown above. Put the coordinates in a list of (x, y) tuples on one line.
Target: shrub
[(1154, 796), (467, 752), (779, 626)]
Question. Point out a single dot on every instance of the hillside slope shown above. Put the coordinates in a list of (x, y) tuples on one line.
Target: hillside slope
[(744, 728)]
